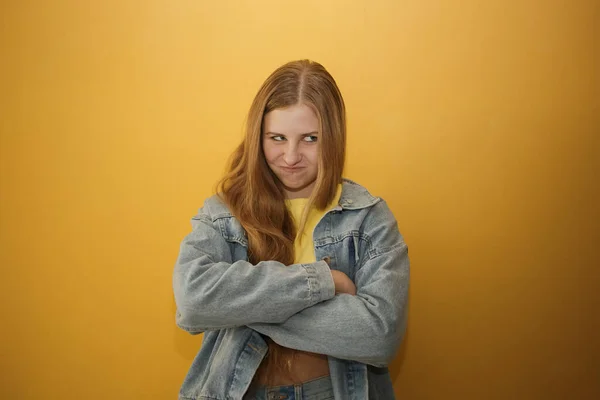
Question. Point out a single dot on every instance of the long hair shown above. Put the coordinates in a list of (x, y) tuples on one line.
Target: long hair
[(253, 192)]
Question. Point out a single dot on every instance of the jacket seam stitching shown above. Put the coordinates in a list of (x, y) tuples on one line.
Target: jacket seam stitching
[(340, 238), (376, 253)]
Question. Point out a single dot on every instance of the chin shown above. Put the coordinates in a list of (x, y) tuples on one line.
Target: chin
[(293, 188), (296, 186)]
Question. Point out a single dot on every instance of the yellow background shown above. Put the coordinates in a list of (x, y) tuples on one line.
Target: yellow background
[(478, 121)]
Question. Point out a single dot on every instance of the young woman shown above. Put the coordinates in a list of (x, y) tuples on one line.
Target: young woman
[(297, 277)]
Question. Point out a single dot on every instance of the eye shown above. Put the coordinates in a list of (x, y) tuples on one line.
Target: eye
[(278, 138), (310, 139)]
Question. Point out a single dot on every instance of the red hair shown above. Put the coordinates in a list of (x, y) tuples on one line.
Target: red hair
[(252, 191)]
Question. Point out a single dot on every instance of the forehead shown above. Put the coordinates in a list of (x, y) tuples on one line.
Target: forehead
[(298, 118)]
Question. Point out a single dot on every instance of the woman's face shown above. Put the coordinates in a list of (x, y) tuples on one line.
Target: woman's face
[(290, 142)]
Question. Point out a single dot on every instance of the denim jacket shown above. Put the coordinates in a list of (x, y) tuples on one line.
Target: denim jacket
[(218, 292)]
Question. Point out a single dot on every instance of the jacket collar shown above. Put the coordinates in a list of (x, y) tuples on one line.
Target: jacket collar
[(353, 197)]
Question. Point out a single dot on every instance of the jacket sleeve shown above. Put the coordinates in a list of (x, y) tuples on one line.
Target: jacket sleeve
[(367, 327), (212, 291)]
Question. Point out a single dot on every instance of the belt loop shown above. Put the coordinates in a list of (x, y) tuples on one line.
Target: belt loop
[(297, 392)]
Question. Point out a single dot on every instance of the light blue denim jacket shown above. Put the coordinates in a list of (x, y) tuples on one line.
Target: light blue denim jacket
[(218, 292)]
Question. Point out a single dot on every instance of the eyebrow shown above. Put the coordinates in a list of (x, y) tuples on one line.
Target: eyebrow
[(282, 134)]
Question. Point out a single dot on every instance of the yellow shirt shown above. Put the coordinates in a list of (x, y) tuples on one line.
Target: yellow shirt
[(304, 250)]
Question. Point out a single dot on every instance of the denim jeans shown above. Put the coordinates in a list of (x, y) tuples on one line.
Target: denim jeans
[(315, 389)]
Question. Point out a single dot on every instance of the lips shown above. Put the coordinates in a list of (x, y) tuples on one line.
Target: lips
[(288, 169)]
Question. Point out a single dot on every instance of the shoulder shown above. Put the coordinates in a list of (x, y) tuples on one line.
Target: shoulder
[(378, 222), (215, 215), (214, 208), (355, 196)]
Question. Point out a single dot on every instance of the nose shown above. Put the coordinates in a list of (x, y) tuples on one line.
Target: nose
[(292, 156)]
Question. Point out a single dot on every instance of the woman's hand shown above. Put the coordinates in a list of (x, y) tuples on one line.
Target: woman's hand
[(342, 283)]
